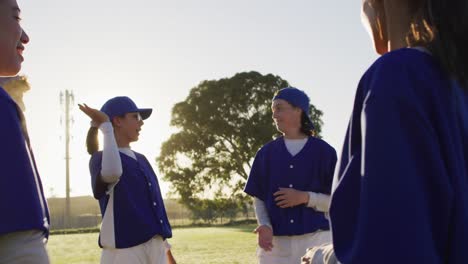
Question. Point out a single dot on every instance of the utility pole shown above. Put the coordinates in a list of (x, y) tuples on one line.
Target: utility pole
[(67, 101)]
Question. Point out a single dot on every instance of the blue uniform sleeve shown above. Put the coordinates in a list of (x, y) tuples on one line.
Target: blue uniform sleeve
[(330, 170), (403, 208), (257, 181), (22, 203), (99, 187), (10, 134)]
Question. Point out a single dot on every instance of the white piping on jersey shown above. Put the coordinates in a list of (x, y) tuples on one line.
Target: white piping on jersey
[(38, 188)]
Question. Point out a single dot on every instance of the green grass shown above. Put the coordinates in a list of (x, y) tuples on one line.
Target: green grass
[(75, 248), (189, 245)]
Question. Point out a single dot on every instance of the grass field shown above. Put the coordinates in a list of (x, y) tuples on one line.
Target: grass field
[(194, 245)]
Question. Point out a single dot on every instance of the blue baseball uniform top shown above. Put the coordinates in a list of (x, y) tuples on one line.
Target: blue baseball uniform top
[(139, 212), (309, 170), (402, 193), (22, 200)]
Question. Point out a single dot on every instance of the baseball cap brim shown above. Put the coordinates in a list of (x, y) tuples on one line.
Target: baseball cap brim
[(145, 112)]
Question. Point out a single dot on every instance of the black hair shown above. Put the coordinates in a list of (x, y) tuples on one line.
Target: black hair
[(92, 142), (306, 125)]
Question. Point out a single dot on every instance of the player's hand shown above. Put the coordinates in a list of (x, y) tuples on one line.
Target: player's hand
[(265, 237), (289, 197), (97, 117)]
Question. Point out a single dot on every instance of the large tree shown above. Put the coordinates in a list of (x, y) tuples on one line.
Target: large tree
[(222, 123)]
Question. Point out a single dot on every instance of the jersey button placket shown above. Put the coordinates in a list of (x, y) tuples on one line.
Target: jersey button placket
[(291, 167), (291, 174)]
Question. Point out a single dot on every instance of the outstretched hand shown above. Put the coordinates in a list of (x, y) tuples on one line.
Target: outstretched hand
[(97, 117), (289, 197)]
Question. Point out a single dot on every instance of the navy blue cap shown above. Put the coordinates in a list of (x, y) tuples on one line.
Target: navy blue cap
[(121, 105), (296, 98)]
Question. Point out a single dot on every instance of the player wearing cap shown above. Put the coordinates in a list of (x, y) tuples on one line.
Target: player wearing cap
[(291, 180), (134, 224)]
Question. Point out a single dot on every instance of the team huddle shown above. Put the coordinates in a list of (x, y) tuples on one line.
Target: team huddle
[(396, 194)]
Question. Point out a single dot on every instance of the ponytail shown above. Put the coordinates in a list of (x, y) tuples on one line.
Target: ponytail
[(92, 142), (306, 126)]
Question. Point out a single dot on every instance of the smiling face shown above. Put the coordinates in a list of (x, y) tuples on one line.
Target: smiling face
[(127, 128), (287, 118), (12, 38)]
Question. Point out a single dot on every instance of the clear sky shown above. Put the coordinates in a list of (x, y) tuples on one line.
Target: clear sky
[(156, 51)]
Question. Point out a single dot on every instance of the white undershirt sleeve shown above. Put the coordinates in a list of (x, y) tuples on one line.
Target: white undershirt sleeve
[(319, 201), (261, 213), (111, 166)]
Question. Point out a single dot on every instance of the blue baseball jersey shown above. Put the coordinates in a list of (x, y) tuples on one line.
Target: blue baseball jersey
[(139, 212), (22, 200), (309, 170), (402, 180)]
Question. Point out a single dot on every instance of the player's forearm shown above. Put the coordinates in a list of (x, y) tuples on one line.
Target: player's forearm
[(111, 169), (261, 212), (319, 201)]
